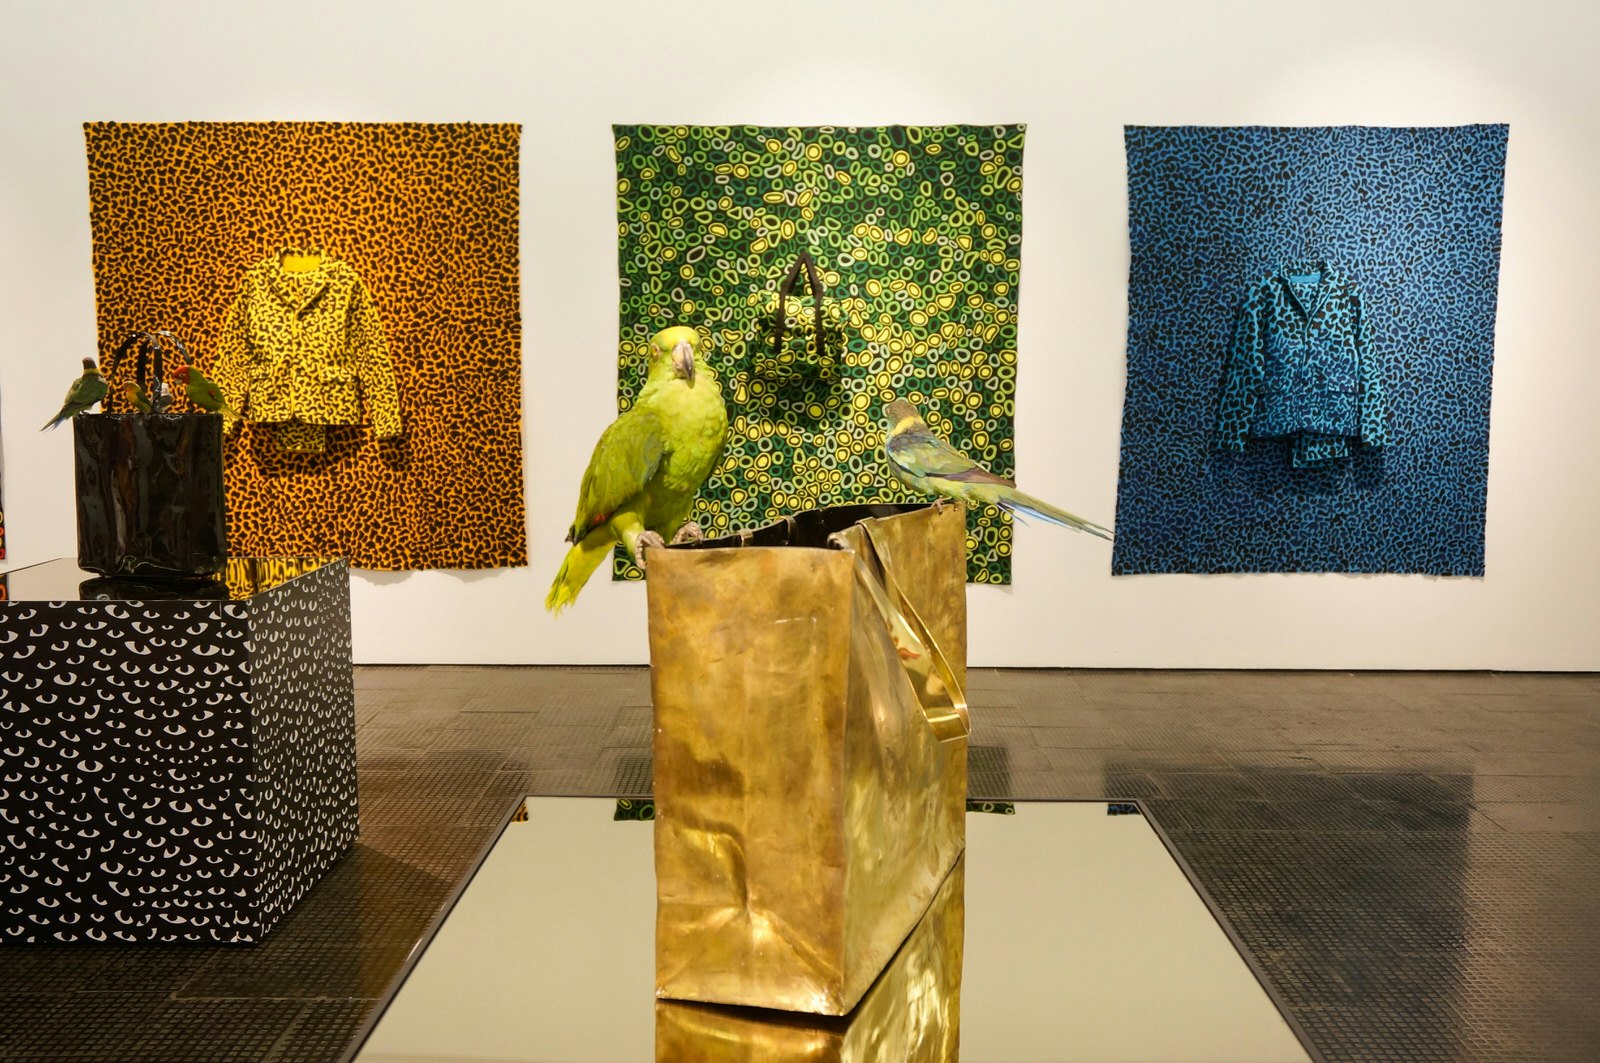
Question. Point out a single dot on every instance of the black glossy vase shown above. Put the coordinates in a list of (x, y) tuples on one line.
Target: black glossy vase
[(150, 495)]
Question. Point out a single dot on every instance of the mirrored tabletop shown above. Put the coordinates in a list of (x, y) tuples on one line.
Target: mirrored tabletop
[(1082, 939), (62, 580)]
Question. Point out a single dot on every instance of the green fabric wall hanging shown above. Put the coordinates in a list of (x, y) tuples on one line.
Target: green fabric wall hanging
[(917, 232)]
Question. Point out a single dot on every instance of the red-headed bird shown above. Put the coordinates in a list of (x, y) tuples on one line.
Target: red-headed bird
[(202, 392)]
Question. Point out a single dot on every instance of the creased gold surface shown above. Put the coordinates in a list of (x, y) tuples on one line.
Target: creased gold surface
[(805, 809), (912, 1013), (941, 694)]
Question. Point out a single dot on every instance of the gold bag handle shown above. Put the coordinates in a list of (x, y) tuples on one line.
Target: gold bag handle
[(943, 702)]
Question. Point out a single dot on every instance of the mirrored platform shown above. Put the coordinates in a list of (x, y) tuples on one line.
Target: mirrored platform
[(1082, 939), (62, 580)]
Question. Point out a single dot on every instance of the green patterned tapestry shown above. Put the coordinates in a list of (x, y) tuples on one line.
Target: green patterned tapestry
[(917, 231)]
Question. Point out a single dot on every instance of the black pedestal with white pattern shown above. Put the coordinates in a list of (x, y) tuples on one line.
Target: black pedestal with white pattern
[(177, 763)]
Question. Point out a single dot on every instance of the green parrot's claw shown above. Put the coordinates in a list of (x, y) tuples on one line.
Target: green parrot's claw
[(647, 541), (689, 533)]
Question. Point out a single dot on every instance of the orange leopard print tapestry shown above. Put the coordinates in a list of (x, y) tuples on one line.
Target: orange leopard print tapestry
[(425, 216)]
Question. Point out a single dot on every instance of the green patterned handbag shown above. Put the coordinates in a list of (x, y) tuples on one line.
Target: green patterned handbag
[(791, 346)]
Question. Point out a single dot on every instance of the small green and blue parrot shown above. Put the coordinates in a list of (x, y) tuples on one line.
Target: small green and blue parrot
[(85, 391), (648, 465), (923, 461)]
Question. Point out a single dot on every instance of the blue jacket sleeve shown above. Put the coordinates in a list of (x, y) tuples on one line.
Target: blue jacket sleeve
[(1242, 379), (1374, 407)]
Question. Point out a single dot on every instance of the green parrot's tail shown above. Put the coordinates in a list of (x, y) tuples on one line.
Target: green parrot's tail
[(576, 568), (1024, 505)]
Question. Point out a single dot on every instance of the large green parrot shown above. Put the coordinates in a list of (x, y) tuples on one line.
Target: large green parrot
[(641, 482), (85, 391), (922, 460)]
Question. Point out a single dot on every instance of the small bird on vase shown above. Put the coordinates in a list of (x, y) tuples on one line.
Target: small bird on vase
[(85, 391), (202, 392), (923, 461), (136, 397)]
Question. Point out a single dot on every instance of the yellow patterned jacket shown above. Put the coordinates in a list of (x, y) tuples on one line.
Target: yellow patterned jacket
[(307, 346)]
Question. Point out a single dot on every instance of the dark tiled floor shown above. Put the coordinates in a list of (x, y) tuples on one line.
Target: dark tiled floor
[(1414, 859)]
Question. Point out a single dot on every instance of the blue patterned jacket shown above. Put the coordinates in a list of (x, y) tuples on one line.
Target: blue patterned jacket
[(1300, 367)]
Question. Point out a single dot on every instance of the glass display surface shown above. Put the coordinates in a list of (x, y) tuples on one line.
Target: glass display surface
[(62, 580), (1083, 939)]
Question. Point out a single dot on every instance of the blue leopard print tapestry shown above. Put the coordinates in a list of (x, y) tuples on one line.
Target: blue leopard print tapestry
[(1408, 220)]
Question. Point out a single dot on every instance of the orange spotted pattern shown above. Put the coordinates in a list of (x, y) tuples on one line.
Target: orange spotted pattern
[(427, 216)]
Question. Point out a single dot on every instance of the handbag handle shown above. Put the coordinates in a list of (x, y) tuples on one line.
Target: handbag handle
[(943, 701), (786, 289), (145, 374)]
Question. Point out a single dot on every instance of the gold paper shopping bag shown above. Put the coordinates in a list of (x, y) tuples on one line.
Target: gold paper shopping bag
[(810, 750), (911, 1014)]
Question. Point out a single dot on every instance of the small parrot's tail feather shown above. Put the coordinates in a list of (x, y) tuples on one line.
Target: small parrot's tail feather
[(576, 568), (55, 421), (1024, 505)]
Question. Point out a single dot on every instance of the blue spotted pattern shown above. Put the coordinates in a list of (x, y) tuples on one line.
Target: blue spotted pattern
[(1412, 218)]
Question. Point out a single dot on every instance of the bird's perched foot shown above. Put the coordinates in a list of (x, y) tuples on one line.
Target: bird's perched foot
[(689, 533), (647, 541)]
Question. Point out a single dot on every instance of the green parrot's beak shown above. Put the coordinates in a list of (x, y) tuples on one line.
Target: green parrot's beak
[(683, 361)]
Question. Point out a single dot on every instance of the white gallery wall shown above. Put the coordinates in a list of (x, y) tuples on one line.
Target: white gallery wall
[(1075, 72)]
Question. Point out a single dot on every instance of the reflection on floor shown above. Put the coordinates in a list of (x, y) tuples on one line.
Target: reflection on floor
[(1413, 858)]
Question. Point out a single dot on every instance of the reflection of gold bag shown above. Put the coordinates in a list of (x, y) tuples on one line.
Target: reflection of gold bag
[(912, 1013), (810, 750)]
